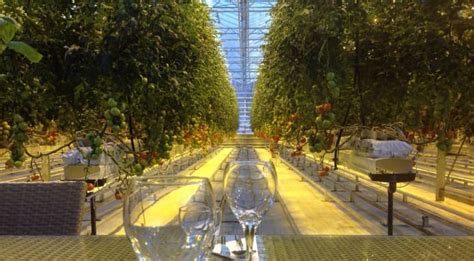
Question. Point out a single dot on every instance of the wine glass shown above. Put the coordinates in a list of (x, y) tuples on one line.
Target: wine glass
[(250, 188), (169, 217), (194, 220)]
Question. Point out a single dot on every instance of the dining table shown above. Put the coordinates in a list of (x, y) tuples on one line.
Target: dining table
[(269, 247)]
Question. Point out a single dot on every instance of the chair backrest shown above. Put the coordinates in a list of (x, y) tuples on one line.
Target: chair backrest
[(41, 208)]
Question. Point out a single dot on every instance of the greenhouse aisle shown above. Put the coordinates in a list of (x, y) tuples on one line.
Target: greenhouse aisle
[(320, 216), (276, 221), (291, 213)]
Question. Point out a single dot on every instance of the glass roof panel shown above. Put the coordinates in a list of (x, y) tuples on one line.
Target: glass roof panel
[(242, 25)]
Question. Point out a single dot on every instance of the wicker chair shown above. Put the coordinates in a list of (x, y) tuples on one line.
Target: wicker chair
[(41, 208)]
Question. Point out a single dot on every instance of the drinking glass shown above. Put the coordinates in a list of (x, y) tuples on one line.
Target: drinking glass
[(169, 217), (250, 188), (194, 220)]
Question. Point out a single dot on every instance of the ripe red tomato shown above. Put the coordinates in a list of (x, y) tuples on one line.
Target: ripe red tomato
[(276, 138), (320, 109), (188, 136), (327, 107), (34, 177), (451, 134), (118, 195), (323, 173), (143, 155), (90, 186)]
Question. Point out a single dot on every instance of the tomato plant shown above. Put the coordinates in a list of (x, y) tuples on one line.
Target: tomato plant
[(305, 79), (405, 61), (144, 72)]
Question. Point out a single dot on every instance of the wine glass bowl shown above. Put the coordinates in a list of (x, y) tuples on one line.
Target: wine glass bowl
[(195, 219), (169, 217), (250, 188)]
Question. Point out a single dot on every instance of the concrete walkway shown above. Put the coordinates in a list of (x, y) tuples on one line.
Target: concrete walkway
[(310, 210)]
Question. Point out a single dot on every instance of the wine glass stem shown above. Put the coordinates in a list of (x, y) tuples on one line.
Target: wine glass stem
[(249, 231)]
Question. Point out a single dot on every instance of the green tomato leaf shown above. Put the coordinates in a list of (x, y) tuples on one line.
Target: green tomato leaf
[(8, 29), (29, 52)]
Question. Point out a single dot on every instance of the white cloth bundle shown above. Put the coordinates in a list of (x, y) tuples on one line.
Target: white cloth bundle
[(382, 148), (74, 157)]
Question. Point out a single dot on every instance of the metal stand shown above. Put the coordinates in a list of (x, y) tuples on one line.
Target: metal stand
[(392, 180), (392, 187), (93, 216)]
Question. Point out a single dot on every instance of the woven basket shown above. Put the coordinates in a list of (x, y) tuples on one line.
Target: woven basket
[(41, 208)]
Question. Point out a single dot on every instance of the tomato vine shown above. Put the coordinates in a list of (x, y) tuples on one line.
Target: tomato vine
[(147, 72), (404, 61)]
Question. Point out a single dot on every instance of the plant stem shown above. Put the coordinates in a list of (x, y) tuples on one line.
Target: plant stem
[(48, 153), (336, 150), (130, 127), (456, 158), (357, 81)]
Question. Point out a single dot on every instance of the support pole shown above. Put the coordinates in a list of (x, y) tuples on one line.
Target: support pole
[(93, 216), (392, 180), (392, 187), (45, 168), (440, 175)]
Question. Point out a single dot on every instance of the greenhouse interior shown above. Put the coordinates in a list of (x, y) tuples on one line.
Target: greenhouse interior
[(237, 130)]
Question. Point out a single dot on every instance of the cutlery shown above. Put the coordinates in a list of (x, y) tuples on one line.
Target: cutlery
[(241, 245)]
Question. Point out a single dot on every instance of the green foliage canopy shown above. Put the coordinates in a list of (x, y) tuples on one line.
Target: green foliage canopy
[(159, 60), (408, 61)]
